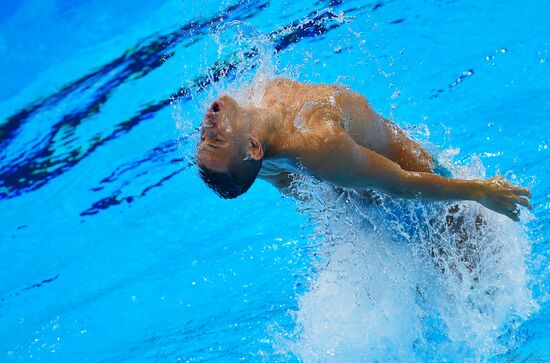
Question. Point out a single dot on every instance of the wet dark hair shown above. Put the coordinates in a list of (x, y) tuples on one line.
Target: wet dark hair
[(235, 181)]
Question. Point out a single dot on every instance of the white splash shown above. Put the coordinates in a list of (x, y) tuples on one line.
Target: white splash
[(410, 281), (239, 60), (252, 53)]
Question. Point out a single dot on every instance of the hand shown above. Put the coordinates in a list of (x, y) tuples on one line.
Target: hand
[(504, 198)]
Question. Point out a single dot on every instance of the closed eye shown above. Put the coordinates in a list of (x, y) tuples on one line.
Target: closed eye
[(214, 143)]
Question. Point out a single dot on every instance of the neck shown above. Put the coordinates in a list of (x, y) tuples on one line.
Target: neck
[(267, 125)]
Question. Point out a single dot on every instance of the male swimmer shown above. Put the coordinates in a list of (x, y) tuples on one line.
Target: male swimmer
[(334, 135)]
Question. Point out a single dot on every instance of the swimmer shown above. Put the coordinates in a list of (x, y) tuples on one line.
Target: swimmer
[(333, 134)]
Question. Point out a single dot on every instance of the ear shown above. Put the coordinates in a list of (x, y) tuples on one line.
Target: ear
[(255, 148)]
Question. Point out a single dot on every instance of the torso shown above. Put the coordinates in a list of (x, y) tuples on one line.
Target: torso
[(320, 109)]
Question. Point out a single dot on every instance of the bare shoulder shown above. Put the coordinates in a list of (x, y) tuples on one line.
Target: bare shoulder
[(287, 83), (283, 83), (278, 91)]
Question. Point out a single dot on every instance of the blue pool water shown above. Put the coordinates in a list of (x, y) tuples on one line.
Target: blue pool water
[(112, 249)]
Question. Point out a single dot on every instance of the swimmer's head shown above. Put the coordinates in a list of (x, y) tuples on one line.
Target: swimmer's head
[(229, 156)]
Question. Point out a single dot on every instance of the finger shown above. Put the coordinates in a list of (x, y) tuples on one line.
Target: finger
[(514, 215), (511, 206), (521, 191), (524, 202), (498, 181)]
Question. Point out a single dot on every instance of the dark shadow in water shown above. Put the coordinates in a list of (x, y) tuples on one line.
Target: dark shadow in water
[(29, 287), (42, 160), (135, 170), (53, 150)]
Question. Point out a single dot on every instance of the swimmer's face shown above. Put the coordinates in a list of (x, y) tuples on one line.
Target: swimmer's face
[(223, 134)]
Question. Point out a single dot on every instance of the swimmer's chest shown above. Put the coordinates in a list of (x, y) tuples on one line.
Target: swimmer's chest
[(315, 107), (299, 101), (308, 107)]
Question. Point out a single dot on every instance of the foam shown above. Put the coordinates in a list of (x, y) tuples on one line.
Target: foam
[(394, 283)]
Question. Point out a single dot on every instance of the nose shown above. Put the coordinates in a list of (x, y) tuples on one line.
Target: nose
[(211, 117), (216, 106)]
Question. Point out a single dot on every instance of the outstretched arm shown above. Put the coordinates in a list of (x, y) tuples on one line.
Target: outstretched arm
[(344, 163)]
